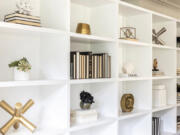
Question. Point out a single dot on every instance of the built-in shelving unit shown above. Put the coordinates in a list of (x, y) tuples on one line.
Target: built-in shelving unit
[(55, 94)]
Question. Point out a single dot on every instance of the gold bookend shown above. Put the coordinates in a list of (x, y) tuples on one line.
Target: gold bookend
[(17, 117)]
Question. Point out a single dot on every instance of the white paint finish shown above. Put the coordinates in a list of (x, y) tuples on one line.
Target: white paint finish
[(164, 56), (143, 127), (48, 50), (95, 17), (130, 54), (168, 120), (142, 93)]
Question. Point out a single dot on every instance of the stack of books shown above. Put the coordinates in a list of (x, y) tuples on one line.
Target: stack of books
[(178, 71), (23, 19), (156, 125), (178, 93), (178, 121), (85, 65)]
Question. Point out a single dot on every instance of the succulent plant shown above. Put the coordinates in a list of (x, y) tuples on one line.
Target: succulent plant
[(86, 97), (22, 65)]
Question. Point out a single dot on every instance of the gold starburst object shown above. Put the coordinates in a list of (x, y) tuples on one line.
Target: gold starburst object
[(17, 116)]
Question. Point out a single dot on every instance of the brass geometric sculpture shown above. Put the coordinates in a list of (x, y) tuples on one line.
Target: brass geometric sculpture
[(156, 35), (17, 117)]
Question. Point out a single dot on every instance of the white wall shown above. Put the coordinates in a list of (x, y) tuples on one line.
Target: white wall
[(149, 4)]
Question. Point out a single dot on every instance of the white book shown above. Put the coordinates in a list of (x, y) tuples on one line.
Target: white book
[(23, 19)]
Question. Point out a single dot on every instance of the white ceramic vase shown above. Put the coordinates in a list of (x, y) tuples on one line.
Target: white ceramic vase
[(20, 75)]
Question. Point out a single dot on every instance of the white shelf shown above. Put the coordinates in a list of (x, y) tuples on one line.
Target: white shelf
[(92, 3), (37, 132), (135, 113), (99, 122), (178, 49), (134, 43), (134, 79), (11, 27), (89, 38), (85, 81), (178, 130), (163, 47), (163, 77), (166, 133), (158, 109), (30, 83), (130, 9), (178, 104)]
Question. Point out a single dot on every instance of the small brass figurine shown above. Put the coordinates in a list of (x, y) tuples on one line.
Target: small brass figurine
[(127, 103), (155, 70), (17, 117), (155, 65)]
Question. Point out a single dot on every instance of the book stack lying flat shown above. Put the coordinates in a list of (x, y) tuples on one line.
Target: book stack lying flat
[(178, 93), (85, 65), (23, 19), (178, 71), (156, 126), (83, 116), (178, 121)]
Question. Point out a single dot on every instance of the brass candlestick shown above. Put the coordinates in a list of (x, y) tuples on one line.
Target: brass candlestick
[(17, 117)]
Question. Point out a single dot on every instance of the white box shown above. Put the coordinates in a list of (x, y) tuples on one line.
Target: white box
[(83, 116), (159, 97)]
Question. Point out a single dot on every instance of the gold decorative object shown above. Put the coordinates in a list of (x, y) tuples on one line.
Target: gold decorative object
[(156, 35), (127, 103), (17, 117), (128, 33), (155, 70), (83, 28)]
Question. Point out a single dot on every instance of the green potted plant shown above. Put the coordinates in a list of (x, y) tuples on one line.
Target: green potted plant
[(21, 69)]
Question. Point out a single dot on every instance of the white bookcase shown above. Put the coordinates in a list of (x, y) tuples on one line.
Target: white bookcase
[(55, 95)]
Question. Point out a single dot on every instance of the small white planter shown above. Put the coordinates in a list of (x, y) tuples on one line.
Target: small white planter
[(20, 75)]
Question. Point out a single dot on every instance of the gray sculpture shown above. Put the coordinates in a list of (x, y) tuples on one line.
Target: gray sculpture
[(156, 36)]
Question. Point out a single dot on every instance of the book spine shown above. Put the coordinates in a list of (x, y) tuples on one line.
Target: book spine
[(77, 65), (103, 67), (106, 65), (80, 66), (109, 66), (90, 66), (95, 66), (87, 67), (74, 65), (84, 68), (100, 66)]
